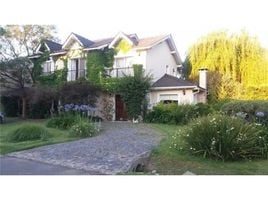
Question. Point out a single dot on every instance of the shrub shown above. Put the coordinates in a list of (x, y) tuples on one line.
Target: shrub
[(28, 132), (64, 121), (10, 105), (223, 137), (83, 129), (249, 110), (176, 114)]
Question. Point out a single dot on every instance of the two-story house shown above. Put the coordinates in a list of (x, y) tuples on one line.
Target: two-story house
[(158, 55)]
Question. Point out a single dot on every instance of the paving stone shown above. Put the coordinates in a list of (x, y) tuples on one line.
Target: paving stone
[(117, 149)]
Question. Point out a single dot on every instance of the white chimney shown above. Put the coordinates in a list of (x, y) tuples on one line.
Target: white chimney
[(203, 78)]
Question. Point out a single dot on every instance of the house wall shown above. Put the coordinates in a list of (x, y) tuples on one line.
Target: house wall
[(200, 97), (138, 57), (187, 98), (59, 64), (158, 57)]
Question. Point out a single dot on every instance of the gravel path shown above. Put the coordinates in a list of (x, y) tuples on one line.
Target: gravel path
[(119, 148)]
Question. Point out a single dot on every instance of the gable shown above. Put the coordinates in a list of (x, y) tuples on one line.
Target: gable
[(123, 46), (121, 36), (75, 38)]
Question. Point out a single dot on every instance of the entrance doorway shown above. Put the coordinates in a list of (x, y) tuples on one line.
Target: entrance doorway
[(120, 109)]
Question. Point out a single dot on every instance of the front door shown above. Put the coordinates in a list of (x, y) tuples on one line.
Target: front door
[(120, 107)]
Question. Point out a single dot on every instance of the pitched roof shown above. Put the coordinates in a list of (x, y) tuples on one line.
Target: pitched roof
[(101, 42), (149, 41), (172, 81), (53, 46), (86, 42)]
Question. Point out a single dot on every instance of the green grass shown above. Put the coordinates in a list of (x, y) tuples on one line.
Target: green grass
[(168, 161), (58, 136)]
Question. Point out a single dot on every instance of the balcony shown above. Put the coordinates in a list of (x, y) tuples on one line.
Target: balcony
[(119, 71)]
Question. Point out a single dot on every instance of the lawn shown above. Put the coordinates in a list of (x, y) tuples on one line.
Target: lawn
[(168, 161), (58, 136)]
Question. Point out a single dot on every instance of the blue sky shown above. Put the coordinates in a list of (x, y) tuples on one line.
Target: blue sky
[(186, 20)]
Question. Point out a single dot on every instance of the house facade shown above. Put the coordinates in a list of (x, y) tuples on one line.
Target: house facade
[(158, 55)]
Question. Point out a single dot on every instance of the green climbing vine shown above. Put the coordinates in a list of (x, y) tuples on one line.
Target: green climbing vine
[(97, 61)]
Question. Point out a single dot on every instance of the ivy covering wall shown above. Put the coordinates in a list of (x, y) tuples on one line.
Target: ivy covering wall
[(97, 61)]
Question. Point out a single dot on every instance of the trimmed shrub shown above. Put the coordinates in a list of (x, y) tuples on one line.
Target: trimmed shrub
[(83, 129), (64, 121), (222, 137), (176, 114), (28, 132), (253, 111)]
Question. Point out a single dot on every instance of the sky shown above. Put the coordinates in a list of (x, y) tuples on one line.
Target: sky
[(185, 20)]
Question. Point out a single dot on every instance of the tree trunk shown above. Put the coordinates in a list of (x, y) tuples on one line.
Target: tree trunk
[(24, 107)]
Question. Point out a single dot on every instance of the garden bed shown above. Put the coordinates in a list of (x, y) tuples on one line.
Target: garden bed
[(169, 161)]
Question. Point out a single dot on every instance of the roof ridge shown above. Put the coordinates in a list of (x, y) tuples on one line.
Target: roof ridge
[(51, 41)]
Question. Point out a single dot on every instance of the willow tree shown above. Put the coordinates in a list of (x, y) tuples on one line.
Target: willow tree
[(239, 59)]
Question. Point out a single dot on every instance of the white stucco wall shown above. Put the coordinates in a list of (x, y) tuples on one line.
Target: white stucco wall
[(158, 57), (187, 98)]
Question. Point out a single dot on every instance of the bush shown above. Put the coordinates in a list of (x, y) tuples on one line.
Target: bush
[(249, 110), (28, 132), (83, 129), (223, 137), (64, 121), (176, 114), (10, 106)]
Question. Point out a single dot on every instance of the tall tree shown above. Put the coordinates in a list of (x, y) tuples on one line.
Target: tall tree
[(17, 72), (238, 58)]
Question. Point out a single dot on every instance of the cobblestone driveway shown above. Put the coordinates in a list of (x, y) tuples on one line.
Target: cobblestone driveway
[(119, 148)]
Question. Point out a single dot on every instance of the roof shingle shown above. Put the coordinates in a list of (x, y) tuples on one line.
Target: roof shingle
[(172, 81), (53, 46), (86, 42), (149, 41)]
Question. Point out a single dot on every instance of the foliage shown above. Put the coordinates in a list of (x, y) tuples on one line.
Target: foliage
[(10, 106), (22, 40), (43, 102), (55, 79), (83, 129), (97, 61), (176, 114), (57, 136), (110, 84), (64, 121), (248, 109), (133, 90), (17, 72), (78, 92), (222, 137), (238, 59), (28, 132), (166, 160)]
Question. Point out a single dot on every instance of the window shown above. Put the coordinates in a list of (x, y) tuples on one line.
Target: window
[(123, 66), (168, 98), (47, 67), (76, 69)]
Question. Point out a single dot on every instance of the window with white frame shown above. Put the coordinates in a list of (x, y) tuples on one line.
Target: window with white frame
[(123, 65), (47, 67), (77, 69), (168, 98)]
